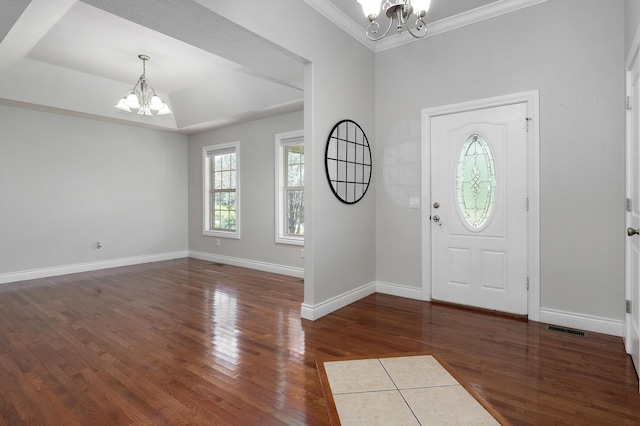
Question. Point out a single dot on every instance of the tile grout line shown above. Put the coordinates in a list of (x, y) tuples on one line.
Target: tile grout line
[(398, 390)]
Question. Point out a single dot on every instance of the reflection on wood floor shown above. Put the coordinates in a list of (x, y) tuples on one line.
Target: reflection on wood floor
[(191, 342)]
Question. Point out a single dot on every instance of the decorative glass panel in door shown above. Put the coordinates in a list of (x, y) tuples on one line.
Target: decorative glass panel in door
[(475, 182)]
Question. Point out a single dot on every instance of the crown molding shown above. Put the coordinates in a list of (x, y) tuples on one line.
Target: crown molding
[(342, 20), (491, 10)]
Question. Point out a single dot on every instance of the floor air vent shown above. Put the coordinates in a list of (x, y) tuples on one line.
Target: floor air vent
[(566, 330)]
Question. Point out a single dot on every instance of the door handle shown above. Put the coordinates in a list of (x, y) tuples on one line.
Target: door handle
[(436, 219), (631, 232)]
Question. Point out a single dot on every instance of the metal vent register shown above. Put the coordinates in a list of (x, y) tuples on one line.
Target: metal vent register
[(566, 330)]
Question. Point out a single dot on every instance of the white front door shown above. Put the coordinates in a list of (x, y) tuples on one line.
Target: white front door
[(632, 318), (479, 208)]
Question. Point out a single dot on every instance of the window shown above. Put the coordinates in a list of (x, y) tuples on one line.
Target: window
[(222, 190), (290, 188)]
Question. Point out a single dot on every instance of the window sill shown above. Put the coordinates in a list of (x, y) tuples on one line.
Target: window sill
[(290, 241), (222, 234)]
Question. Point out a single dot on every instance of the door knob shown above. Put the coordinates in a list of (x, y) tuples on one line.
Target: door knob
[(631, 231), (436, 219)]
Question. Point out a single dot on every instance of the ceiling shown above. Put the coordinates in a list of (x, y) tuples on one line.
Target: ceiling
[(80, 57)]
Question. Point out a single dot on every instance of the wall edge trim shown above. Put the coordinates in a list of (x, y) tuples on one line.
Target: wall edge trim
[(54, 271), (291, 271), (582, 321), (314, 312)]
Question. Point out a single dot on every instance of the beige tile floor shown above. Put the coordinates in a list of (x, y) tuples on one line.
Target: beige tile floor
[(411, 390)]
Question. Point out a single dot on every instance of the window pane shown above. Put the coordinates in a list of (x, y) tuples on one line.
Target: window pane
[(225, 178), (476, 181), (294, 157), (224, 219), (295, 212), (290, 208), (223, 196), (295, 176)]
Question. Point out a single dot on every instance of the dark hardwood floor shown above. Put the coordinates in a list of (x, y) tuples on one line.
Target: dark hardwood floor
[(191, 342)]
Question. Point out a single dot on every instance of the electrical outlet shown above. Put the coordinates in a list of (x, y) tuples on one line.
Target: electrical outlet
[(98, 246), (218, 242), (302, 253)]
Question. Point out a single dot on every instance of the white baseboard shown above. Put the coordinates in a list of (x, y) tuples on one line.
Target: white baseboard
[(247, 263), (399, 290), (551, 316), (328, 306), (55, 271), (582, 322)]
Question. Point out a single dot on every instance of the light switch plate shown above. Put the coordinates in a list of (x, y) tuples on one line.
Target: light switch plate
[(414, 202)]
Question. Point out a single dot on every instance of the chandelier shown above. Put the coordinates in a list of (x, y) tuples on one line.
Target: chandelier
[(142, 99), (404, 13)]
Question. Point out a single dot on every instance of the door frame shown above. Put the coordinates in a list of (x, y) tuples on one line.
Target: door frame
[(633, 52), (531, 98)]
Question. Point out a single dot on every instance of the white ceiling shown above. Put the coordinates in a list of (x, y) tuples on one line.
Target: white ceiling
[(80, 57)]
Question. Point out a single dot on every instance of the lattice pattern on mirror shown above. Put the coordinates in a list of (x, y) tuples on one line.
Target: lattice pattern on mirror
[(348, 161)]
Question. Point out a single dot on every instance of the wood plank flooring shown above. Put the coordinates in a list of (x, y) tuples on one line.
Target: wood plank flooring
[(191, 342)]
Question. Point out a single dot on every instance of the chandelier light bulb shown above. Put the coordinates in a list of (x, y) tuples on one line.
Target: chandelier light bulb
[(132, 101), (164, 110), (123, 105), (156, 103), (370, 7), (421, 6)]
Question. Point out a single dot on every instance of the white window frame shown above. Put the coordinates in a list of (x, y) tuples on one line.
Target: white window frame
[(207, 151), (283, 140)]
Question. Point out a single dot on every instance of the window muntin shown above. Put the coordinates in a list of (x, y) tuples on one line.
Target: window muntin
[(221, 192), (476, 182), (289, 188)]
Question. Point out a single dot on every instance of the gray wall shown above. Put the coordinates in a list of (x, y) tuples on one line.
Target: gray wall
[(339, 83), (632, 21), (257, 180), (66, 183), (572, 51)]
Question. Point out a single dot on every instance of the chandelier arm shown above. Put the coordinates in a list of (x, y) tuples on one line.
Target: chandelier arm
[(420, 28), (404, 13), (368, 32), (400, 13)]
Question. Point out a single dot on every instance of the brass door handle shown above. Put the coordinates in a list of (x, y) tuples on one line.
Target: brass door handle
[(631, 232)]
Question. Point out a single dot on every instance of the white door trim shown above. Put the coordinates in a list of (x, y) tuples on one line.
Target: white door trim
[(531, 98), (631, 57)]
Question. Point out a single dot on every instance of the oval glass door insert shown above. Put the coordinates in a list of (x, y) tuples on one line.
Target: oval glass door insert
[(476, 182)]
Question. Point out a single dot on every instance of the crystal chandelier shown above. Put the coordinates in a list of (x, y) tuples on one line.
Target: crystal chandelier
[(404, 13), (142, 99)]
